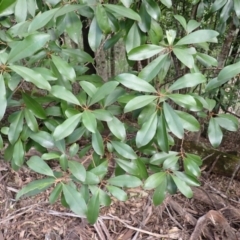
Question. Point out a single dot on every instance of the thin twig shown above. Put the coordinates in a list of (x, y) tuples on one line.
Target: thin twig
[(233, 175), (140, 230)]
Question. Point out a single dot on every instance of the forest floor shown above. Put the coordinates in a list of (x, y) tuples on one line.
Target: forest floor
[(212, 213)]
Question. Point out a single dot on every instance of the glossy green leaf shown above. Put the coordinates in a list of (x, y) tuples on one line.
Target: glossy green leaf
[(162, 135), (188, 80), (63, 161), (145, 23), (197, 159), (64, 68), (128, 166), (102, 115), (103, 91), (186, 101), (16, 127), (34, 106), (46, 73), (155, 33), (67, 8), (21, 10), (89, 121), (78, 54), (67, 127), (191, 168), (31, 76), (171, 186), (4, 4), (185, 56), (123, 11), (73, 26), (125, 181), (117, 193), (171, 163), (117, 128), (78, 170), (127, 3), (3, 100), (94, 35), (28, 46), (214, 133), (35, 187), (91, 178), (190, 180), (183, 187), (167, 3), (192, 25), (18, 153), (75, 200), (104, 198), (173, 121), (113, 40), (159, 158), (182, 21), (189, 122), (154, 180), (133, 38), (152, 69), (42, 19), (55, 193), (139, 102), (50, 155), (30, 120), (102, 19), (147, 131), (160, 193), (135, 83), (217, 5), (89, 88), (228, 72), (237, 7), (206, 59), (124, 150), (73, 150), (171, 35), (97, 143), (64, 94), (198, 37), (93, 208), (227, 121), (43, 138), (31, 7), (101, 169), (153, 9), (38, 165), (144, 51)]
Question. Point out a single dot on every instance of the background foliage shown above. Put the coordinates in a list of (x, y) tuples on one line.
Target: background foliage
[(101, 124)]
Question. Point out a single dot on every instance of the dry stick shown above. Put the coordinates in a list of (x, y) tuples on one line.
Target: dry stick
[(104, 228), (140, 230), (222, 194), (233, 175), (99, 231), (174, 220), (213, 165)]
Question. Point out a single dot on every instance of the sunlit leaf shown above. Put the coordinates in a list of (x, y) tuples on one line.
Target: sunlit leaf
[(38, 165), (214, 133), (31, 76), (75, 200)]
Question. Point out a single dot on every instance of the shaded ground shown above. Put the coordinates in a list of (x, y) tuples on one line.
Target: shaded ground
[(212, 213)]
